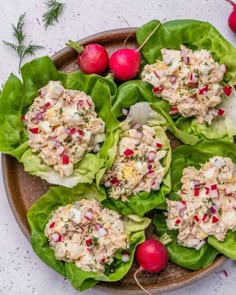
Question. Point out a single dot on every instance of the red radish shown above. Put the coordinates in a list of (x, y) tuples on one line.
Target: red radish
[(232, 17), (92, 59), (152, 256), (125, 63), (227, 90)]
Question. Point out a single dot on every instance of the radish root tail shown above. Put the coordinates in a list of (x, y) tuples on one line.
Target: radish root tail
[(136, 280)]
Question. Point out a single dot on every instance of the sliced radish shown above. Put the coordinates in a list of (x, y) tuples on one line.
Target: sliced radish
[(177, 221), (103, 260), (207, 190), (80, 103), (203, 90), (34, 130), (205, 217), (65, 160), (150, 173), (56, 237), (81, 133), (52, 225), (213, 209), (227, 90), (114, 181), (88, 215), (173, 111), (214, 193), (196, 191), (128, 153), (47, 104), (155, 185), (228, 191), (102, 232), (98, 226), (61, 150), (158, 145), (157, 89), (89, 242), (151, 155), (221, 112), (214, 219), (196, 218)]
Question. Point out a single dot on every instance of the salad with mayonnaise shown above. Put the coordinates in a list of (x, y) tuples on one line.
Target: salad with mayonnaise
[(191, 81), (86, 234), (137, 166), (208, 203), (62, 125)]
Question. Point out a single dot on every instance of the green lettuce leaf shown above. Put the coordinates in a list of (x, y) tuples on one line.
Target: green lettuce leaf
[(15, 99), (142, 113), (185, 257), (195, 35), (182, 157), (40, 213)]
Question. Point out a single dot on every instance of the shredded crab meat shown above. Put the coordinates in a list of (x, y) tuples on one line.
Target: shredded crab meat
[(189, 80), (208, 203), (137, 167), (62, 125), (86, 234)]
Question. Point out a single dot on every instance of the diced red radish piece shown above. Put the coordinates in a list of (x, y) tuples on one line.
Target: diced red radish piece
[(81, 133), (90, 249), (102, 232), (184, 203), (207, 190), (72, 131), (177, 221), (158, 145), (88, 215), (89, 242), (149, 166), (227, 90), (22, 118), (52, 225), (228, 191), (103, 260), (183, 193), (157, 89), (128, 153), (205, 217), (196, 218), (214, 187), (56, 237), (98, 226), (125, 112), (193, 79), (114, 181), (214, 219), (150, 173), (151, 155), (196, 191), (155, 185), (214, 193), (203, 90), (173, 111), (223, 274), (61, 150), (47, 104), (199, 246), (65, 160), (173, 79), (125, 257), (34, 130), (221, 112), (155, 73)]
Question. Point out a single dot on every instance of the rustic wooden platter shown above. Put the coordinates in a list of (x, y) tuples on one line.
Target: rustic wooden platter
[(23, 189)]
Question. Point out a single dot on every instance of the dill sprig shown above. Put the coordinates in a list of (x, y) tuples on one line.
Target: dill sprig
[(54, 10), (19, 47)]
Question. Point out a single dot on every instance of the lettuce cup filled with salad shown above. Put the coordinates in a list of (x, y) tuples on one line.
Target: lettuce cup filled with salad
[(190, 70), (82, 240), (137, 178), (59, 125), (201, 208)]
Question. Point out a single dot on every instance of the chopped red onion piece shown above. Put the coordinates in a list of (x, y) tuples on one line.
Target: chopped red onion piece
[(98, 226), (102, 232), (88, 215)]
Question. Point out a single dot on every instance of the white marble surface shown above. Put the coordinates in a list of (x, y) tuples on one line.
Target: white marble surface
[(21, 272)]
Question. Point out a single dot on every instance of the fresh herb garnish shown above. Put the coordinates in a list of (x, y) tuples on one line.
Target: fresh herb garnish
[(20, 48), (54, 10)]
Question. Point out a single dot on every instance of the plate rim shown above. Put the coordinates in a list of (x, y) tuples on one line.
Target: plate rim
[(102, 36)]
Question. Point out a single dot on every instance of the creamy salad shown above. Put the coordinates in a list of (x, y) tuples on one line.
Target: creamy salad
[(62, 125), (208, 203), (190, 81), (137, 167), (86, 234)]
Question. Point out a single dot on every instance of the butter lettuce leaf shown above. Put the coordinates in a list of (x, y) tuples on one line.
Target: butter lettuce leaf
[(195, 35), (17, 96), (40, 213)]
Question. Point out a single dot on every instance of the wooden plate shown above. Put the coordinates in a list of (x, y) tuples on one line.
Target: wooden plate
[(23, 189)]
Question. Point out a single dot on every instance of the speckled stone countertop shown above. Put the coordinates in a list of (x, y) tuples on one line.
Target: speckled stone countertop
[(21, 272)]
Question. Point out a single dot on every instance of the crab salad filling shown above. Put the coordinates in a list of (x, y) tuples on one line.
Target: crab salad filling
[(137, 166), (190, 80), (208, 203), (62, 125), (86, 234)]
